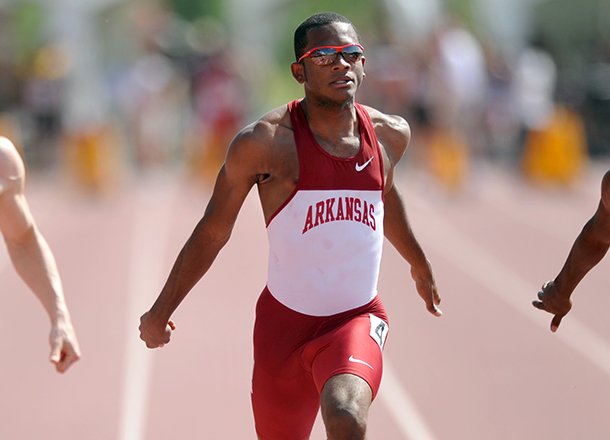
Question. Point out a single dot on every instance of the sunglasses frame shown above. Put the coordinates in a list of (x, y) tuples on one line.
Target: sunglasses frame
[(338, 49)]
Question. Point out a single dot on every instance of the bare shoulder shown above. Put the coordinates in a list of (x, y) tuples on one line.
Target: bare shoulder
[(260, 136), (393, 131), (600, 222), (12, 169), (263, 148), (605, 191), (264, 153)]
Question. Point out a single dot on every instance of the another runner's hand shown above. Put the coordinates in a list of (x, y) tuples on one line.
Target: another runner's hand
[(426, 287), (152, 333), (64, 346), (550, 300)]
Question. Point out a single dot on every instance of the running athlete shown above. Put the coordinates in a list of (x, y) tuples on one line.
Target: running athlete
[(588, 249), (32, 257), (324, 169)]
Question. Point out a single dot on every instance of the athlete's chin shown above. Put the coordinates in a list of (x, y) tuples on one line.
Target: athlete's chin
[(345, 90), (341, 98)]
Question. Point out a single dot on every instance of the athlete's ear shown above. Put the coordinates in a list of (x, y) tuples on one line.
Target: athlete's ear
[(298, 72), (363, 72)]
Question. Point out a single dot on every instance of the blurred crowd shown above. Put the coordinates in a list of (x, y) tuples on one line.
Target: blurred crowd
[(173, 94), (470, 103)]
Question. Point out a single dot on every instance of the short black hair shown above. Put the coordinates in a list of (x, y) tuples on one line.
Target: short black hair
[(316, 20)]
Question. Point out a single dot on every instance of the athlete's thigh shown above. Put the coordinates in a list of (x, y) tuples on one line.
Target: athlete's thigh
[(285, 400), (285, 407), (353, 348)]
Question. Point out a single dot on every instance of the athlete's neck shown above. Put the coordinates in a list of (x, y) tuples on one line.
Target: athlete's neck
[(336, 132), (331, 120)]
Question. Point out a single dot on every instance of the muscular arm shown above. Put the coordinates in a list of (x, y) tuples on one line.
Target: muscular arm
[(394, 134), (588, 249), (234, 182), (398, 232), (32, 257)]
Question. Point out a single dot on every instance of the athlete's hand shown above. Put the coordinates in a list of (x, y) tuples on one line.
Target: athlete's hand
[(154, 334), (551, 300), (426, 287), (64, 345)]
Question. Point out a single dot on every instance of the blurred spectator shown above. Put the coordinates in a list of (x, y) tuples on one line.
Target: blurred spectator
[(597, 101), (92, 157), (461, 68), (457, 88), (554, 142), (156, 100), (9, 79), (10, 82), (502, 124), (556, 153), (219, 105), (43, 100), (154, 92), (535, 83)]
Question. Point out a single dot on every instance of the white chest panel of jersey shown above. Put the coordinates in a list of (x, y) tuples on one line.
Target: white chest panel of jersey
[(325, 250)]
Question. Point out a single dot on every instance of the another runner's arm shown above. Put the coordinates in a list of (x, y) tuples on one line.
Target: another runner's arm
[(234, 181), (395, 136), (590, 245), (588, 249), (32, 257)]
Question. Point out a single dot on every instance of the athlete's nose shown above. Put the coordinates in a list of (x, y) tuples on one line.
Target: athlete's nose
[(341, 62)]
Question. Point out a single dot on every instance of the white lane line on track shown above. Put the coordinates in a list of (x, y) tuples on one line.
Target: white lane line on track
[(150, 232), (400, 405), (508, 286)]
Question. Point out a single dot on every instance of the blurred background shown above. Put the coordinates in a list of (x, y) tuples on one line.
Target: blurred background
[(101, 90)]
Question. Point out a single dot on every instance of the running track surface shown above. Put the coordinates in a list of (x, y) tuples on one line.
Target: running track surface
[(488, 369)]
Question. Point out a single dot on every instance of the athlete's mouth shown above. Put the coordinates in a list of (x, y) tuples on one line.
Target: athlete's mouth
[(342, 81)]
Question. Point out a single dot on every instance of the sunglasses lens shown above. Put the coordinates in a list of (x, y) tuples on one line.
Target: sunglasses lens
[(352, 53), (327, 55), (324, 56), (325, 51)]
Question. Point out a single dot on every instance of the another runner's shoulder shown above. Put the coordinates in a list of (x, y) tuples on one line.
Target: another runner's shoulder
[(605, 191), (11, 164), (393, 131)]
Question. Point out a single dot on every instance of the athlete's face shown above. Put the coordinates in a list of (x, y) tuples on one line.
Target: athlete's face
[(338, 80)]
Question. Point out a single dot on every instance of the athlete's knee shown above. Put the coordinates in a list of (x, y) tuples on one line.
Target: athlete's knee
[(345, 423), (345, 403)]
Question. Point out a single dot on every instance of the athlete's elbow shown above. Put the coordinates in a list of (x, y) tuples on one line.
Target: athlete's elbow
[(211, 237), (23, 237)]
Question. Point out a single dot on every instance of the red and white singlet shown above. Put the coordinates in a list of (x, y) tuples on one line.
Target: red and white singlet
[(326, 240)]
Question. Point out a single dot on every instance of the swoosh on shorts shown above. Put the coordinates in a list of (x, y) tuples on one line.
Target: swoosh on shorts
[(359, 361)]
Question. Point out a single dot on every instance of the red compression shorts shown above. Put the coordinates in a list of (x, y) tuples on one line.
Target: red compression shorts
[(295, 354)]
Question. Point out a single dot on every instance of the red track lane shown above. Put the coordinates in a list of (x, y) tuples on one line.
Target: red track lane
[(488, 369)]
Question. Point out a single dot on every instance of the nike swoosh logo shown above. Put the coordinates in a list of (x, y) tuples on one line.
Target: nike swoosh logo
[(363, 166), (359, 361)]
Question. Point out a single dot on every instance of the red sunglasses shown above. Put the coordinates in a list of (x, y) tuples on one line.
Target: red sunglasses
[(326, 55)]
